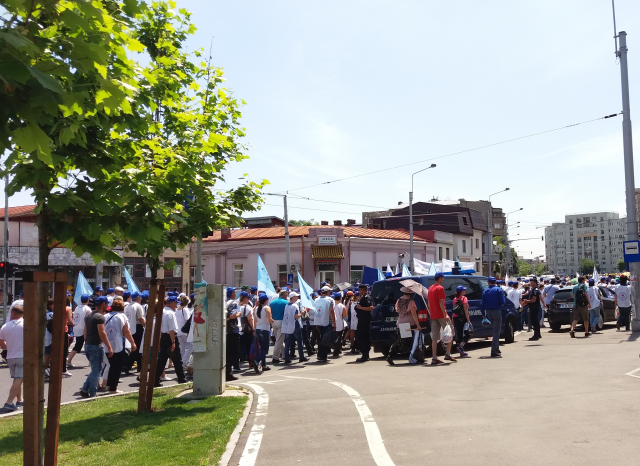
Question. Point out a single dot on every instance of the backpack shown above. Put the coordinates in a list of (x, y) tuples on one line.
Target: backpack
[(186, 327), (581, 297), (458, 311), (244, 321)]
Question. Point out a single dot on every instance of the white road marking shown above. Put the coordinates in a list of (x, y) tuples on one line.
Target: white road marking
[(632, 373), (374, 439), (250, 453)]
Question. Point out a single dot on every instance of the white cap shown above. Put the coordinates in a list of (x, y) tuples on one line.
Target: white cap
[(326, 288), (119, 288), (293, 294)]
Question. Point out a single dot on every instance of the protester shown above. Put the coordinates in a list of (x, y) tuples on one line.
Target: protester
[(623, 300), (110, 295), (291, 328), (364, 307), (183, 315), (532, 299), (594, 304), (340, 312), (461, 318), (79, 314), (491, 306), (543, 306), (353, 322), (439, 318), (407, 314), (97, 292), (325, 322), (246, 325), (12, 340), (515, 296), (169, 344), (136, 316), (262, 321), (233, 334), (94, 335), (277, 312), (117, 329), (253, 297), (581, 306)]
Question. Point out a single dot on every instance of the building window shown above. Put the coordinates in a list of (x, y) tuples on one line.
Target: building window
[(356, 273), (420, 222), (477, 266), (282, 275), (173, 275), (464, 220), (464, 246), (440, 253), (447, 252), (477, 243), (238, 275), (497, 226)]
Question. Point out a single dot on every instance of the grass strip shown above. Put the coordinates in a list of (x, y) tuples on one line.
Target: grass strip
[(110, 431)]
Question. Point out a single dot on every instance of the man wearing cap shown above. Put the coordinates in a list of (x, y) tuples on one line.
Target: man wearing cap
[(363, 332), (438, 317), (233, 333), (79, 314), (531, 300), (324, 321), (110, 295), (277, 313), (135, 315), (97, 292), (291, 328), (169, 345), (119, 291), (246, 325), (491, 305), (253, 296), (581, 306), (94, 335)]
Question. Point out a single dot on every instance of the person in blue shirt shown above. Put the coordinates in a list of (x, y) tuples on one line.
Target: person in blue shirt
[(492, 302), (277, 313)]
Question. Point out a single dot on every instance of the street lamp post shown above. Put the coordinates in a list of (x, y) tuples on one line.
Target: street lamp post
[(411, 218), (508, 251), (286, 231), (490, 220)]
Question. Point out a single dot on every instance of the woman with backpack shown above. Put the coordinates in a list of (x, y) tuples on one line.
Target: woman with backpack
[(581, 305), (246, 325), (460, 318)]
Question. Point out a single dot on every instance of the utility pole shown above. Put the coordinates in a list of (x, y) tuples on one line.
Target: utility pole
[(490, 221), (286, 236), (632, 221), (6, 249), (411, 266), (198, 277)]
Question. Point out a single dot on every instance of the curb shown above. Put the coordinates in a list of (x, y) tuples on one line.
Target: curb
[(235, 435)]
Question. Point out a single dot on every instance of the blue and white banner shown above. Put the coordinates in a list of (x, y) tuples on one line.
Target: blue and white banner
[(305, 294), (264, 281), (131, 285), (82, 287)]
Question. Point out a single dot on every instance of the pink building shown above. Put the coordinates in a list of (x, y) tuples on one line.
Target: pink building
[(321, 253)]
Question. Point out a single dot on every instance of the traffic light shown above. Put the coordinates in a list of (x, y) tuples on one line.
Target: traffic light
[(7, 267)]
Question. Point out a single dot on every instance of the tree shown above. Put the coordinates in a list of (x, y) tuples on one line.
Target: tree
[(540, 268), (66, 86), (621, 266), (586, 266), (303, 223), (523, 268)]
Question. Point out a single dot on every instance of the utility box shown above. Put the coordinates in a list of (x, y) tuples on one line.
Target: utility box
[(209, 366)]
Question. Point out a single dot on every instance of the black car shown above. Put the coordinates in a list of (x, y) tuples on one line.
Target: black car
[(560, 310)]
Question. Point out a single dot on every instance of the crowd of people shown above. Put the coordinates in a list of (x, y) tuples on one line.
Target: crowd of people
[(110, 326)]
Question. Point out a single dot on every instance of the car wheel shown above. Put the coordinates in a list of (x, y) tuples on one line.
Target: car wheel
[(555, 327), (600, 324), (509, 331)]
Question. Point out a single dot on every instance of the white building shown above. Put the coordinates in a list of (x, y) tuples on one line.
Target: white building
[(596, 236)]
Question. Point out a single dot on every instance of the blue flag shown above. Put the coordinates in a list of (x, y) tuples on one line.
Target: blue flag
[(305, 294), (131, 285), (82, 287), (264, 281), (380, 274), (432, 269), (405, 270)]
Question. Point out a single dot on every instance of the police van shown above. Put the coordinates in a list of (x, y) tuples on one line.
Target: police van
[(385, 293)]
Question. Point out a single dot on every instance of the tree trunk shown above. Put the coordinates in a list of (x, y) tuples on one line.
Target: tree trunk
[(43, 292)]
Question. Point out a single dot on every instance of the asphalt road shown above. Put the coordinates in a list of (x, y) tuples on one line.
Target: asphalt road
[(558, 401)]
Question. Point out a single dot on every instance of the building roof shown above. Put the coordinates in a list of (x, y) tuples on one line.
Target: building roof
[(249, 234), (19, 211)]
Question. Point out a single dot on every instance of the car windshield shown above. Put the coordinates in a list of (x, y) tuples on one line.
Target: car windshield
[(563, 294)]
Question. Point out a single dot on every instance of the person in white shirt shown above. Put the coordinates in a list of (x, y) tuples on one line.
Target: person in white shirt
[(135, 315), (18, 302), (183, 314), (594, 310), (11, 339), (117, 329), (353, 322), (111, 293), (169, 344), (291, 328), (79, 313), (624, 298), (325, 321), (340, 312)]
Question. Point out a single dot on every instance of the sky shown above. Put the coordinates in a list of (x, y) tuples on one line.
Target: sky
[(336, 89)]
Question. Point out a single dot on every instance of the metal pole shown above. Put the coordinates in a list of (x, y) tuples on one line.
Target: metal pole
[(632, 223), (286, 236), (411, 228), (6, 248), (198, 261), (490, 250)]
